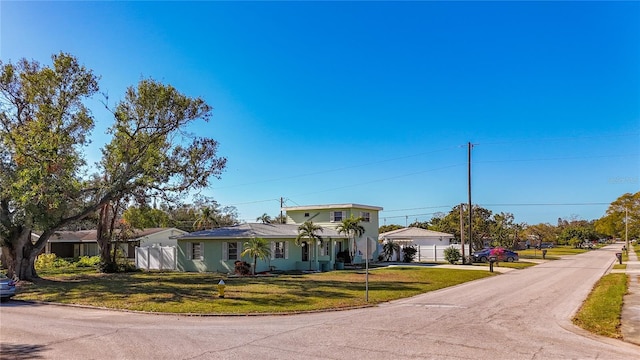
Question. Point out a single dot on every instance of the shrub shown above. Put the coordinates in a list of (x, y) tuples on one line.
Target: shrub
[(50, 261), (409, 253), (498, 253), (452, 255), (575, 242), (344, 257), (242, 268), (86, 261)]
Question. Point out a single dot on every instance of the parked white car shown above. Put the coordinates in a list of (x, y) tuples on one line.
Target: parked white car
[(7, 287)]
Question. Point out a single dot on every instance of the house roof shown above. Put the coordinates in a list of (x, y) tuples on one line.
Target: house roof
[(76, 236), (91, 235), (412, 232), (250, 230), (332, 206)]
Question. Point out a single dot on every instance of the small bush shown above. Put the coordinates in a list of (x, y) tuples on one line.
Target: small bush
[(86, 261), (50, 261), (409, 254), (117, 267), (242, 268), (452, 255), (344, 257)]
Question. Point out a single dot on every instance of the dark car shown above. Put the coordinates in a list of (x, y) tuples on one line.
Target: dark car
[(484, 254), (7, 287)]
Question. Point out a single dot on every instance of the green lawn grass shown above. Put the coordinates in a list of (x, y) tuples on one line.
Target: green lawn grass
[(552, 254), (600, 313), (619, 266), (173, 292)]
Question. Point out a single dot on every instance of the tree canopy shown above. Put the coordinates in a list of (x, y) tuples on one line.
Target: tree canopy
[(623, 209), (44, 129)]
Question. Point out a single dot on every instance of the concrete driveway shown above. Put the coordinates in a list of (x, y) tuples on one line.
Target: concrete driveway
[(522, 314)]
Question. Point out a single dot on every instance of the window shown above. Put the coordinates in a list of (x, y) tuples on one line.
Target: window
[(366, 216), (324, 247), (232, 251), (336, 216), (279, 250), (195, 251), (306, 214)]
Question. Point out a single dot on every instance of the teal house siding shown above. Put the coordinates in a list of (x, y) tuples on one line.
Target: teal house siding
[(217, 250), (327, 217)]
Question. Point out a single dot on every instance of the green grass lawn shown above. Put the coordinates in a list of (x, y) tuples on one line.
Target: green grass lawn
[(600, 313), (173, 292), (552, 253)]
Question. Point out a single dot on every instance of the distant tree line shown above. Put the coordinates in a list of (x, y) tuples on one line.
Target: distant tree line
[(501, 229)]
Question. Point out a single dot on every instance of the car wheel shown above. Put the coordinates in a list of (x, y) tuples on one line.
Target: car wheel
[(483, 259), (510, 259)]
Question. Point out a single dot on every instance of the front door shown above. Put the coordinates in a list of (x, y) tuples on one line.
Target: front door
[(305, 251)]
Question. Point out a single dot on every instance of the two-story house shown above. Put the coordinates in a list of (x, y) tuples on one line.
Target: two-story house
[(218, 249)]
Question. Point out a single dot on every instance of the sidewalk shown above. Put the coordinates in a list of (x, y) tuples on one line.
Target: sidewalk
[(630, 318)]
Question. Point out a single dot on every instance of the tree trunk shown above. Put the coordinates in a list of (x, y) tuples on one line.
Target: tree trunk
[(255, 263), (20, 256), (104, 240)]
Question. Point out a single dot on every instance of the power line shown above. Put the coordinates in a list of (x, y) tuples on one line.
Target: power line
[(336, 169), (379, 180), (550, 204), (560, 139), (418, 208), (558, 158)]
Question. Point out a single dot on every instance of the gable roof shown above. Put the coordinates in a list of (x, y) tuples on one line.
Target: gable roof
[(412, 232), (250, 230)]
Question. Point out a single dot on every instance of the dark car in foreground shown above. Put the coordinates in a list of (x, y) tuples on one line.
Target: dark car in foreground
[(484, 254), (7, 287)]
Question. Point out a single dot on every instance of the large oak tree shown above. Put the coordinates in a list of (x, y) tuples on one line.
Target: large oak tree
[(44, 130)]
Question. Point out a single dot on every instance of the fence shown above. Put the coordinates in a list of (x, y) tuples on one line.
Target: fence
[(156, 258), (433, 252)]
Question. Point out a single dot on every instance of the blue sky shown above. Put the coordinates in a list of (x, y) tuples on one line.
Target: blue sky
[(375, 102)]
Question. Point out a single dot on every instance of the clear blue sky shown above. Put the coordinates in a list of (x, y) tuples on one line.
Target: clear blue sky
[(374, 102)]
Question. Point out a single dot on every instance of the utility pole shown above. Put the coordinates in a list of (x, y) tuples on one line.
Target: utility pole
[(470, 146), (626, 227), (281, 204), (464, 260)]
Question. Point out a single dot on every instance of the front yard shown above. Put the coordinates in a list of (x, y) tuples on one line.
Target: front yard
[(197, 293)]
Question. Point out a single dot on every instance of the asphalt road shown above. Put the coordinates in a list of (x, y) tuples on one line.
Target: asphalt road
[(522, 314)]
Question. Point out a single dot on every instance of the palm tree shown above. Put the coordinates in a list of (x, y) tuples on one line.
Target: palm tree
[(266, 219), (389, 248), (352, 228), (206, 219), (256, 248), (308, 230)]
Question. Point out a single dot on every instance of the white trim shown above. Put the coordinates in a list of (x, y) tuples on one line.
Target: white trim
[(273, 250), (332, 206)]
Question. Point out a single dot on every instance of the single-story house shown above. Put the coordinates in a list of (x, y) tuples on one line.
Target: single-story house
[(68, 244), (217, 250)]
